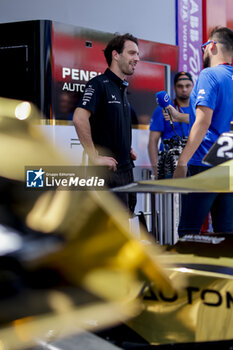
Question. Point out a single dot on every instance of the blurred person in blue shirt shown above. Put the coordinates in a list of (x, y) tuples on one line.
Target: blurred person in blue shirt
[(160, 127)]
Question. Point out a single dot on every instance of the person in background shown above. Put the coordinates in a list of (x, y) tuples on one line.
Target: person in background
[(211, 104), (160, 127), (103, 117)]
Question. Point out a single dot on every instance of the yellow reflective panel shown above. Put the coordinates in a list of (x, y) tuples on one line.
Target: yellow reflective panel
[(201, 311), (97, 240), (216, 179)]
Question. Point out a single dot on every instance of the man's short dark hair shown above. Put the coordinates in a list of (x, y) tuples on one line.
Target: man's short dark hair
[(117, 43), (224, 36)]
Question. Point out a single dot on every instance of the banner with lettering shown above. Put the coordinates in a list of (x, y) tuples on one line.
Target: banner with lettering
[(189, 36)]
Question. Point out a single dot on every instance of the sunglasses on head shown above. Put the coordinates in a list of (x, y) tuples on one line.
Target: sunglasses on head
[(207, 43)]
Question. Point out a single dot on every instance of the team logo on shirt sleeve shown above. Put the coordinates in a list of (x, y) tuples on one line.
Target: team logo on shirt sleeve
[(87, 96), (201, 92)]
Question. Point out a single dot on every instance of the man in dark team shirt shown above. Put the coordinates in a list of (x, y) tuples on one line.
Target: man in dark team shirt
[(103, 117)]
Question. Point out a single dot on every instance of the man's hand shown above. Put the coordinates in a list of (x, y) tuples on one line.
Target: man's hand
[(181, 171), (133, 155), (175, 115), (110, 162)]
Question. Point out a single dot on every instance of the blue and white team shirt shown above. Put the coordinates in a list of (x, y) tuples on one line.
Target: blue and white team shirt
[(213, 89)]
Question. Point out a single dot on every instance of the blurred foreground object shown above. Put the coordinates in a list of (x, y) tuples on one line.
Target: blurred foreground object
[(69, 261), (200, 312), (216, 179), (22, 143)]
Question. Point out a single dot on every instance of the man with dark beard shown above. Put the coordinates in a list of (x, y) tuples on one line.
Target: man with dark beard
[(211, 104), (160, 127)]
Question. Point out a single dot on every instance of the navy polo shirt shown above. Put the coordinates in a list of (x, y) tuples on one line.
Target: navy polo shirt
[(105, 97)]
